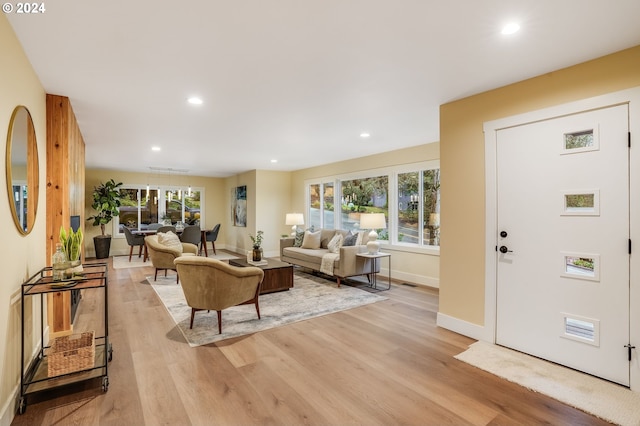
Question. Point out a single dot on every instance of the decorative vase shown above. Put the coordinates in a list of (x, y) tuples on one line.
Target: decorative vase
[(257, 254), (75, 268)]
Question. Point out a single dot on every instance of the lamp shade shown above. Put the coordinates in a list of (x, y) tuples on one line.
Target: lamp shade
[(294, 219), (373, 221)]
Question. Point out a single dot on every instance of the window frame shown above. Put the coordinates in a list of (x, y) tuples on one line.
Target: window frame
[(392, 172), (161, 191)]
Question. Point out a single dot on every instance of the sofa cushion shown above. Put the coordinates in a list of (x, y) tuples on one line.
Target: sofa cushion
[(325, 236), (335, 243), (297, 242), (311, 240), (350, 240), (344, 232), (363, 237), (170, 239), (313, 256)]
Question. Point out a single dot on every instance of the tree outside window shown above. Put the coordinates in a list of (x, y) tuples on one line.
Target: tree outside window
[(367, 195)]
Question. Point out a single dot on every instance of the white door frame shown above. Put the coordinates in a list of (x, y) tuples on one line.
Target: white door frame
[(630, 97)]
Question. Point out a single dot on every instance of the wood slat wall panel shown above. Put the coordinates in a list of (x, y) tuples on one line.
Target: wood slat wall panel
[(65, 191)]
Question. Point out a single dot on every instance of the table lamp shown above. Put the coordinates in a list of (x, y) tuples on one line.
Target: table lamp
[(294, 219), (373, 221)]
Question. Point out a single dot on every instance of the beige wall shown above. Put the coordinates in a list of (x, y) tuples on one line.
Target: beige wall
[(273, 200), (267, 203), (462, 165), (215, 202), (22, 256), (420, 268), (237, 236)]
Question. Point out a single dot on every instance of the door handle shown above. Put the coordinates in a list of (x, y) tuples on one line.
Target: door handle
[(504, 249)]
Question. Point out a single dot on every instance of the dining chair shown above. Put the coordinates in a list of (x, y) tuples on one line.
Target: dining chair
[(133, 241), (153, 226), (167, 228), (191, 234), (210, 236)]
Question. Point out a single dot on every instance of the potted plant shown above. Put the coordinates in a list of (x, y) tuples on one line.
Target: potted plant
[(72, 246), (106, 202), (257, 249)]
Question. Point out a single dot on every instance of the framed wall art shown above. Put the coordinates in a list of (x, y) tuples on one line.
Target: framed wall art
[(239, 206)]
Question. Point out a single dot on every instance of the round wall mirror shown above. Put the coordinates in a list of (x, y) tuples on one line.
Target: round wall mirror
[(22, 169)]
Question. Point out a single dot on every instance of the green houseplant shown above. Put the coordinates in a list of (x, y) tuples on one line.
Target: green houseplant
[(257, 242), (72, 247), (106, 202), (71, 244)]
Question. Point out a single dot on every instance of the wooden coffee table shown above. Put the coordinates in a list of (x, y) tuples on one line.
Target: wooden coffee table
[(278, 276)]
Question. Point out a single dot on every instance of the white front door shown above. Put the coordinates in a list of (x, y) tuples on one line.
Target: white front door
[(563, 224)]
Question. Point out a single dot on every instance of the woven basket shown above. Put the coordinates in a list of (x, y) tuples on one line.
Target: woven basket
[(71, 353)]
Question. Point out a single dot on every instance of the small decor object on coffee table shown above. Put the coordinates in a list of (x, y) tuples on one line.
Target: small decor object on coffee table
[(257, 242)]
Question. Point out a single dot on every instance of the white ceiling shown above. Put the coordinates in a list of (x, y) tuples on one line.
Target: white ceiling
[(293, 80)]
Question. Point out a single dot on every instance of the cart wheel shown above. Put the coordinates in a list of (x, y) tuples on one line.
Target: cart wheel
[(110, 353), (22, 405), (105, 384)]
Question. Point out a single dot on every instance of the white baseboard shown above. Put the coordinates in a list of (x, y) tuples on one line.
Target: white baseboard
[(465, 328), (422, 280), (8, 411)]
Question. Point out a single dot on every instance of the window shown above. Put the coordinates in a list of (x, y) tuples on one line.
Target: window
[(431, 207), (143, 206), (367, 195), (328, 219), (409, 208), (314, 209), (419, 207), (409, 197)]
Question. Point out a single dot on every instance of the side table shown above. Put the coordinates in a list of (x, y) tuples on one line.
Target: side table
[(374, 275)]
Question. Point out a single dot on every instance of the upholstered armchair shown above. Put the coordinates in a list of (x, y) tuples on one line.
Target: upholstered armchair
[(162, 255), (210, 284)]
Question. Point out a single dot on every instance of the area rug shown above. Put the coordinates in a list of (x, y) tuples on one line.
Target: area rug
[(310, 297), (120, 262), (603, 399)]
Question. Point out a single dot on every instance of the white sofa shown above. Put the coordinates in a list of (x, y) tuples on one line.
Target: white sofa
[(346, 265)]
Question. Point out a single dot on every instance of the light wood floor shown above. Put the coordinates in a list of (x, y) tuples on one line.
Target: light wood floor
[(381, 364)]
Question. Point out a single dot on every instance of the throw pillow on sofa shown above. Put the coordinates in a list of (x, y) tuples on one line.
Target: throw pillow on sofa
[(311, 240), (335, 244), (170, 239), (298, 239), (363, 237), (350, 240)]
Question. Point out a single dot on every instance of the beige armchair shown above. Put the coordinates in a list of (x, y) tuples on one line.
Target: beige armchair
[(214, 285), (162, 256)]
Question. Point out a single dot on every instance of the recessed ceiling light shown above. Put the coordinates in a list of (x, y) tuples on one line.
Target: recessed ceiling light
[(364, 135), (194, 100), (274, 161), (155, 148), (510, 28)]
